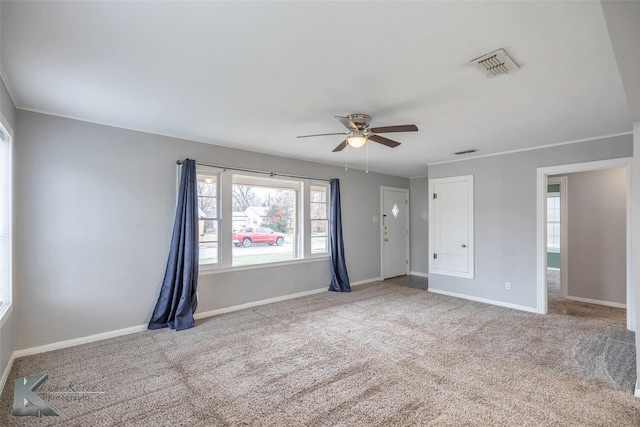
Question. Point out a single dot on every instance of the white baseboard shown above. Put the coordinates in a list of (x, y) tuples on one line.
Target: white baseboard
[(364, 282), (252, 304), (126, 331), (78, 341), (636, 392), (5, 374), (598, 302), (484, 300), (416, 273), (272, 300)]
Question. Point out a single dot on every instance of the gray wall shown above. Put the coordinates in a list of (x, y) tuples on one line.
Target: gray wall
[(597, 235), (505, 216), (419, 224), (6, 327), (96, 207)]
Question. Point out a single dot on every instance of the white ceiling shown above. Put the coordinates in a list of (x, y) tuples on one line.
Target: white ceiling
[(253, 75)]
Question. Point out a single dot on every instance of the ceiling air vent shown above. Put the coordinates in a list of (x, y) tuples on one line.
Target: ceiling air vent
[(495, 63)]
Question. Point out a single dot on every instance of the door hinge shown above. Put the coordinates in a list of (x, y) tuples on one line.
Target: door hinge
[(435, 195), (435, 256)]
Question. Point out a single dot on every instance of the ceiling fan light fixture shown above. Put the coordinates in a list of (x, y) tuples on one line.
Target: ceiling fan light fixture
[(357, 140)]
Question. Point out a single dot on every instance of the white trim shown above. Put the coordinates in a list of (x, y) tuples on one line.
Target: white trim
[(314, 258), (6, 308), (364, 282), (252, 304), (5, 374), (541, 253), (407, 232), (417, 273), (79, 341), (9, 87), (484, 300), (636, 392), (598, 302), (538, 147), (5, 313), (273, 300)]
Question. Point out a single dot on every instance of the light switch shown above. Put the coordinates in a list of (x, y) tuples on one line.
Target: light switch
[(375, 219)]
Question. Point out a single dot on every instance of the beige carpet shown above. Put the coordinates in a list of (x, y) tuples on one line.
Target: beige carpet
[(381, 355)]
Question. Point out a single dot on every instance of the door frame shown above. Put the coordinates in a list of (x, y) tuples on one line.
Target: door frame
[(541, 234), (406, 237)]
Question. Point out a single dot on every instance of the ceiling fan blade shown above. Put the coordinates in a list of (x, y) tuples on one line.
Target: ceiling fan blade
[(341, 146), (346, 121), (322, 134), (384, 141), (399, 128)]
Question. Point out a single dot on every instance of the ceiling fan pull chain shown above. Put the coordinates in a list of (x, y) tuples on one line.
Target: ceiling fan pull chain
[(366, 169), (346, 158)]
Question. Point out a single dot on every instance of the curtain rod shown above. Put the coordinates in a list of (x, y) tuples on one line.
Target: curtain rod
[(179, 162)]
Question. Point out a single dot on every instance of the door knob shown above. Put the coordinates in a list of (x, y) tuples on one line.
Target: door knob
[(464, 246)]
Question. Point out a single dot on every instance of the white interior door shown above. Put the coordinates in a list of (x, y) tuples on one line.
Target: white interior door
[(395, 232), (451, 226)]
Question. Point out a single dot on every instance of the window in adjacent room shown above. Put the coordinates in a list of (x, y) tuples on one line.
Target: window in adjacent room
[(553, 222)]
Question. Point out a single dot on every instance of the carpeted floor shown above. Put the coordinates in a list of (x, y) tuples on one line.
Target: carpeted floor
[(382, 355)]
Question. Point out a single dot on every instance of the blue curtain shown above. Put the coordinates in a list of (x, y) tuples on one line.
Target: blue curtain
[(177, 301), (339, 275)]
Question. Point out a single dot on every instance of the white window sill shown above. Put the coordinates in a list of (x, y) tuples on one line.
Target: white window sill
[(204, 270), (5, 313)]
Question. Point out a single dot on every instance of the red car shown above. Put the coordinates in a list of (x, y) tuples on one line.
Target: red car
[(250, 235)]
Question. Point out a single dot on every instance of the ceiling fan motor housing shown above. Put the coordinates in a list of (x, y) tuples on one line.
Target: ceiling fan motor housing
[(360, 120)]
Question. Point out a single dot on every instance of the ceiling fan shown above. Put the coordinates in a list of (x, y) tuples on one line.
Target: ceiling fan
[(360, 132)]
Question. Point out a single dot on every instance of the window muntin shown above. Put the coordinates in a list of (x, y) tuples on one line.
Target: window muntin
[(208, 216), (319, 217)]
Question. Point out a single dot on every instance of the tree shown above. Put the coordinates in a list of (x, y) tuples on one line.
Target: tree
[(277, 217), (206, 199), (243, 197)]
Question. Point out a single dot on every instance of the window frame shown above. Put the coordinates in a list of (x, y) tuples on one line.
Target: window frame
[(216, 175), (310, 219), (6, 287), (553, 248), (302, 241)]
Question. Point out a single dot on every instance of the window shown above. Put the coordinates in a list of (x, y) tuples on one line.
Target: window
[(318, 214), (5, 220), (208, 217), (251, 219), (269, 229), (553, 222)]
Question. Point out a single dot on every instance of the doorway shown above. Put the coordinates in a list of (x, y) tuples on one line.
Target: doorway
[(543, 178), (394, 224)]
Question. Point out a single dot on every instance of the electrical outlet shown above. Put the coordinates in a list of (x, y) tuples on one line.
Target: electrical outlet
[(507, 286)]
